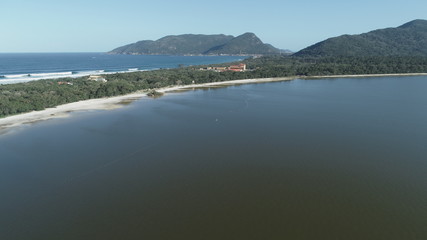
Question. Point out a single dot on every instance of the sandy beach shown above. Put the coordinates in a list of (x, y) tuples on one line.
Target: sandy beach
[(65, 110), (114, 102), (62, 111)]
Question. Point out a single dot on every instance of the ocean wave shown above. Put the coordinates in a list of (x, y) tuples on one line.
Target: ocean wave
[(90, 72), (50, 74), (14, 80), (19, 78), (50, 66), (16, 75)]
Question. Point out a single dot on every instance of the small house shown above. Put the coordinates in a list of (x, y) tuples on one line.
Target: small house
[(97, 78)]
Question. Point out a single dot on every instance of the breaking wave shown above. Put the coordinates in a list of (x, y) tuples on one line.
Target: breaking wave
[(27, 77), (56, 74)]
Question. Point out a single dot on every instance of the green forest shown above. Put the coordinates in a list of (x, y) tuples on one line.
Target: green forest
[(410, 39), (38, 95)]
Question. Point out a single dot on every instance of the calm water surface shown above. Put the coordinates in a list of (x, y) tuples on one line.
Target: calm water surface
[(304, 159)]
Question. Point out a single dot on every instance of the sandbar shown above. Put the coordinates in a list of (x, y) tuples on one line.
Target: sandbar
[(115, 102)]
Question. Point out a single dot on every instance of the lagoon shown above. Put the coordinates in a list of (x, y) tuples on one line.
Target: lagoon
[(305, 159)]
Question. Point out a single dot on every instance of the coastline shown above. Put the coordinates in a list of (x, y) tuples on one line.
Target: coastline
[(366, 75), (62, 111)]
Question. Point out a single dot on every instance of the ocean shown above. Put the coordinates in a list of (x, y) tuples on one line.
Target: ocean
[(304, 159), (24, 67)]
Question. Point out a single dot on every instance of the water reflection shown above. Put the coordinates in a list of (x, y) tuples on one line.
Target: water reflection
[(324, 159)]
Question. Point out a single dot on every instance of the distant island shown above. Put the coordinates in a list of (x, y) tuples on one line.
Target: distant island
[(198, 44), (409, 39)]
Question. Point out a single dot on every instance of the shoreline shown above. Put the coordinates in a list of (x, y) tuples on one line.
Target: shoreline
[(109, 103), (366, 75)]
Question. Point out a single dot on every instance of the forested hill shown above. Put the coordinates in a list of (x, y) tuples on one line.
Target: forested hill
[(409, 39), (198, 44)]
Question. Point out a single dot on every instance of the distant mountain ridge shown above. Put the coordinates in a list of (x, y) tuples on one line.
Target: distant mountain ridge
[(409, 39), (199, 44)]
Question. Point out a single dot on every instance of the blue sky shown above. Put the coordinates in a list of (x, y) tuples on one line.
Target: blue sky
[(101, 25)]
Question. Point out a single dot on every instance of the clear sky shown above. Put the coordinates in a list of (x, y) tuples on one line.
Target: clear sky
[(101, 25)]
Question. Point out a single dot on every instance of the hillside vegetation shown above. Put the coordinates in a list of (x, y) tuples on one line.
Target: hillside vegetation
[(192, 44), (409, 39)]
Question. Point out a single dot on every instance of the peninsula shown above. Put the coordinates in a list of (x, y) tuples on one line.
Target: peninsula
[(108, 103), (39, 95), (199, 44)]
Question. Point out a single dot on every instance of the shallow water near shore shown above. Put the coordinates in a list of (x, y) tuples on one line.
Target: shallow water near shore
[(302, 159)]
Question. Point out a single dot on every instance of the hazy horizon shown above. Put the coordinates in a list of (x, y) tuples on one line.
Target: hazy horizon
[(100, 26)]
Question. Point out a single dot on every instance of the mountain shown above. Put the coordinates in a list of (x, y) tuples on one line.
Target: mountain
[(286, 52), (198, 44), (175, 45), (247, 43), (409, 39)]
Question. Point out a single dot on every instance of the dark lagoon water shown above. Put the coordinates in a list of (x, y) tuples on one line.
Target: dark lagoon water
[(303, 159)]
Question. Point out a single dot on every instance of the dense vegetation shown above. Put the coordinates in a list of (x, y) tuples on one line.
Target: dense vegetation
[(276, 66), (38, 95), (409, 39), (192, 44), (247, 43)]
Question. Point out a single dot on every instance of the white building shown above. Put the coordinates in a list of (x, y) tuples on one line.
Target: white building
[(97, 78)]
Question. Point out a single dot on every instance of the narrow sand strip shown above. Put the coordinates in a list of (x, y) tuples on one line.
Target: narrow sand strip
[(105, 103), (114, 102), (64, 110)]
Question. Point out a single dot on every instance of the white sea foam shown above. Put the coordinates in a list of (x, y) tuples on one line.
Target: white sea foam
[(16, 75), (14, 80), (51, 74), (19, 78), (87, 73)]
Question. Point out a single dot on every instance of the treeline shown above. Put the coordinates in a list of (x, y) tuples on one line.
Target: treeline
[(324, 66), (38, 95)]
